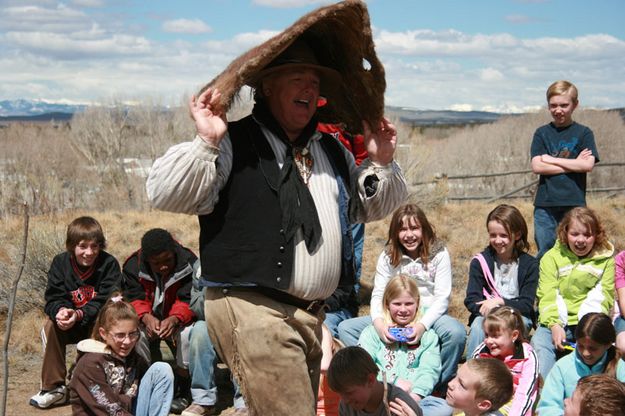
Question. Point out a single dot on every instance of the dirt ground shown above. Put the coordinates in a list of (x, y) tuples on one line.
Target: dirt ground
[(24, 379)]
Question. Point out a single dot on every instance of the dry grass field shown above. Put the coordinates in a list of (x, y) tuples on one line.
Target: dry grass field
[(461, 225), (59, 187)]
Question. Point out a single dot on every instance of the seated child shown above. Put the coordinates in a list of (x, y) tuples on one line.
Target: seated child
[(481, 387), (502, 274), (157, 282), (619, 283), (110, 378), (596, 395), (353, 375), (576, 277), (505, 341), (594, 354), (80, 281), (413, 249), (415, 367)]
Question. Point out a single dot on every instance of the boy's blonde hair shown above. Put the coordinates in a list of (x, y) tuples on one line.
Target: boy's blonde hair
[(505, 317), (350, 366), (495, 381), (394, 288), (588, 218), (601, 395), (562, 87)]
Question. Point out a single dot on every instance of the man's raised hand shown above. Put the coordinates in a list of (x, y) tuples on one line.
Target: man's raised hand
[(210, 120)]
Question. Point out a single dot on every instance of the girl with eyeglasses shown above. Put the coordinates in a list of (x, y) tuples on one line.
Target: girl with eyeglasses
[(110, 377)]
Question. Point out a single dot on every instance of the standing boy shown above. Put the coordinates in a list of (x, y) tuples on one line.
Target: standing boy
[(80, 281), (562, 152)]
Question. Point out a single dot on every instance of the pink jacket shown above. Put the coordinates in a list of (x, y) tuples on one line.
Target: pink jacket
[(524, 367)]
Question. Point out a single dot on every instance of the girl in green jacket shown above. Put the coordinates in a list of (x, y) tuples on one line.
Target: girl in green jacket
[(576, 277)]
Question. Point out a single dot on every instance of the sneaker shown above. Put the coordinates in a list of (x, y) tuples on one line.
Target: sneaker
[(198, 410), (45, 399)]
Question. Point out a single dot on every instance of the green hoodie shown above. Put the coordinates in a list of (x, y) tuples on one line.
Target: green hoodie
[(569, 287)]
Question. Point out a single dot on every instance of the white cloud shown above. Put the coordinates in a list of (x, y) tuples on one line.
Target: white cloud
[(519, 19), (290, 3), (192, 26), (491, 74), (69, 47), (57, 51), (88, 3), (35, 18)]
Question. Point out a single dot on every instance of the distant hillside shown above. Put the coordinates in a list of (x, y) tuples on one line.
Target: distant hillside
[(11, 108), (39, 111), (46, 117), (441, 117)]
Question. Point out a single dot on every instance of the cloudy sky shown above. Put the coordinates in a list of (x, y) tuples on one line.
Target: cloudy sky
[(494, 55)]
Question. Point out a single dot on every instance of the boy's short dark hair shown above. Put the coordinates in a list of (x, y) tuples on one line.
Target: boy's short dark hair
[(156, 241), (84, 228), (601, 395), (496, 384), (350, 366)]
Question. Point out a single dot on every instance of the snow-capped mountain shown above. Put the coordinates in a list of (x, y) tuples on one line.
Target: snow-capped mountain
[(11, 108)]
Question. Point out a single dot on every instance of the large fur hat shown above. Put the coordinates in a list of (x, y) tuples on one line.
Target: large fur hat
[(340, 36)]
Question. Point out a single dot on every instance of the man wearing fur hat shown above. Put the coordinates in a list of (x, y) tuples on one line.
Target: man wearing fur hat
[(275, 200)]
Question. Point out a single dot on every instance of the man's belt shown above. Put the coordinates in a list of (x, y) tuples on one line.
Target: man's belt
[(311, 306)]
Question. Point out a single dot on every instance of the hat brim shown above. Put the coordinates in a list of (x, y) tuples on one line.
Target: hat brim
[(330, 79)]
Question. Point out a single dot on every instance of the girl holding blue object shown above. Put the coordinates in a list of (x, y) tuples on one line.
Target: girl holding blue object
[(415, 368), (414, 250), (594, 354)]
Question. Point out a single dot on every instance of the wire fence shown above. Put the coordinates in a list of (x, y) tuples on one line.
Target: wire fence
[(514, 193)]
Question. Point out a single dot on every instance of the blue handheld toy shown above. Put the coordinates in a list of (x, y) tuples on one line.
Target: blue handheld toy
[(400, 334)]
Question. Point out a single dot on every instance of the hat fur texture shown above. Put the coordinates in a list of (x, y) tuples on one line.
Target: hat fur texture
[(341, 38)]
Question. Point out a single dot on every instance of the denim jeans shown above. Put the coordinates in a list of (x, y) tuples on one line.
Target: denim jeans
[(202, 362), (350, 329), (435, 406), (358, 236), (333, 319), (156, 391), (545, 350), (450, 331), (476, 334), (149, 347), (453, 336), (619, 325), (546, 220)]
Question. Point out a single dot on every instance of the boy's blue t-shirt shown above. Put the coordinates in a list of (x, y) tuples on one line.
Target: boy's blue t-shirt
[(564, 189)]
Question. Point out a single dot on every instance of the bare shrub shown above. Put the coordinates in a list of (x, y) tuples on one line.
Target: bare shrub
[(46, 240)]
